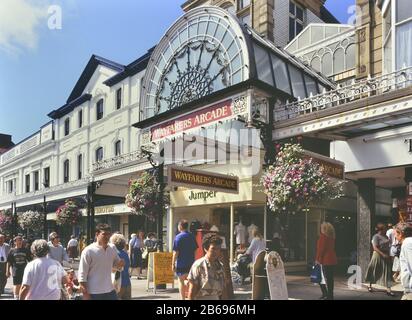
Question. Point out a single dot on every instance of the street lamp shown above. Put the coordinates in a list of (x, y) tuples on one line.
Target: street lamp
[(159, 178), (45, 185)]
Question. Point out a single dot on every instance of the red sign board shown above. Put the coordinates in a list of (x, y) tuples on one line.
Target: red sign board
[(193, 120)]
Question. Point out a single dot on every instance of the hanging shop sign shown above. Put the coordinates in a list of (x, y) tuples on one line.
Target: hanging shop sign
[(190, 178), (333, 168), (210, 115)]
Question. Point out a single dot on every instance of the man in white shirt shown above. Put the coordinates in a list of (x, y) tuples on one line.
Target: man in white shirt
[(43, 278), (96, 263), (4, 252)]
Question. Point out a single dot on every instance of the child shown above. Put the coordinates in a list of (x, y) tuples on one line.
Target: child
[(72, 285)]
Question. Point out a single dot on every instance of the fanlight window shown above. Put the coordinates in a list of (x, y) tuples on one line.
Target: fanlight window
[(198, 56)]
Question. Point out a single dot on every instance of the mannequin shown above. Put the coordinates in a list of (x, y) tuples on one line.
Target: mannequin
[(250, 230), (240, 233)]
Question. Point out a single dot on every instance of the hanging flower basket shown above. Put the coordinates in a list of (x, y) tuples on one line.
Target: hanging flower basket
[(296, 181), (32, 220), (142, 196), (6, 222), (68, 214)]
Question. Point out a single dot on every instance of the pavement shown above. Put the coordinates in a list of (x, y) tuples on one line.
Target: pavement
[(298, 284)]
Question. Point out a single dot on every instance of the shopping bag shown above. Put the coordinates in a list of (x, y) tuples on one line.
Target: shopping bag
[(316, 274)]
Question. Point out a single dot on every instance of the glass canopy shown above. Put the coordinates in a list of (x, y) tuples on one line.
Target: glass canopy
[(208, 50)]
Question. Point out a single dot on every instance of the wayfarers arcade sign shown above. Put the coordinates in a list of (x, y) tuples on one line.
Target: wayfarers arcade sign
[(189, 122), (182, 176)]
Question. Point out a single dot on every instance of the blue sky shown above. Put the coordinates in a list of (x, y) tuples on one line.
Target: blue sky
[(39, 66)]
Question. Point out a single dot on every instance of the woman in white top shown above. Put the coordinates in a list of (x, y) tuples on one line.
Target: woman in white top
[(257, 245)]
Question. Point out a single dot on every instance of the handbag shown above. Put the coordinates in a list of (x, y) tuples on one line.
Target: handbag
[(316, 274), (145, 253)]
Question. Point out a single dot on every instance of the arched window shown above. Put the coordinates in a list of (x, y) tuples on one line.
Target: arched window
[(338, 61), (66, 171), (117, 148), (99, 154), (79, 166), (315, 63), (99, 109), (350, 57), (67, 126), (327, 64)]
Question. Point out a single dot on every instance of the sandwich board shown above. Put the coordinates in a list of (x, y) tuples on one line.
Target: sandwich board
[(276, 277)]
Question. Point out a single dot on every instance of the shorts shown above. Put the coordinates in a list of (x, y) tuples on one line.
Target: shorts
[(182, 271), (18, 278)]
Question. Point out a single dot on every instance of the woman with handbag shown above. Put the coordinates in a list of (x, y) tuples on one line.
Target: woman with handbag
[(326, 258)]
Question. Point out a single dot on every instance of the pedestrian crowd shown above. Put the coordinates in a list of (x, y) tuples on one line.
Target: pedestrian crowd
[(107, 264), (43, 270)]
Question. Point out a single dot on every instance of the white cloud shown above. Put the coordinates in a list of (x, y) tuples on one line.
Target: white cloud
[(19, 22)]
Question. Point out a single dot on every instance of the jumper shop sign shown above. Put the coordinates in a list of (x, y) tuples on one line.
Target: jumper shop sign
[(221, 111), (202, 180)]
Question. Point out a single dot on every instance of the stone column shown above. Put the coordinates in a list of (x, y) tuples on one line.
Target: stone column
[(365, 221)]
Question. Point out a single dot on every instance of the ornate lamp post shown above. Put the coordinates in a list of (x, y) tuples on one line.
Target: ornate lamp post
[(159, 178)]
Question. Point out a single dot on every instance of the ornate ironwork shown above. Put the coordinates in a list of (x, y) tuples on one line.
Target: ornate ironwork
[(193, 81), (117, 161), (358, 90)]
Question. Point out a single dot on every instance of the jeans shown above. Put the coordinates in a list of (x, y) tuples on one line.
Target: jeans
[(327, 290), (105, 296)]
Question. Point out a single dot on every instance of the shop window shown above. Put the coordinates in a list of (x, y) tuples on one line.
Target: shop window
[(288, 232)]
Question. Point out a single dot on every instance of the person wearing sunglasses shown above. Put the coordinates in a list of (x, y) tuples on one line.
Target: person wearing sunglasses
[(4, 252)]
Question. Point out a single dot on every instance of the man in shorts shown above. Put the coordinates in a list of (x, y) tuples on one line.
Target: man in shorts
[(17, 260), (184, 247)]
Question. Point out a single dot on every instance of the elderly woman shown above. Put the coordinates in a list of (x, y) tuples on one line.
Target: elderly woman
[(379, 268), (125, 292), (43, 277), (326, 257)]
